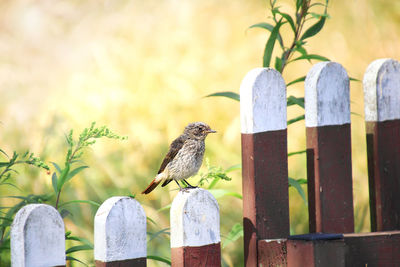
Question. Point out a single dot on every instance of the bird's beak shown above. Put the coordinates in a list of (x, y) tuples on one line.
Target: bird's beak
[(210, 131)]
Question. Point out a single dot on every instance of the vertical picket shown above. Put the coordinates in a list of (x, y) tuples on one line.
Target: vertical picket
[(264, 161), (195, 229), (37, 237), (327, 115), (120, 233), (382, 116)]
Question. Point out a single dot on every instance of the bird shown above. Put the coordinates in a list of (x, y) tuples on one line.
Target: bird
[(184, 157)]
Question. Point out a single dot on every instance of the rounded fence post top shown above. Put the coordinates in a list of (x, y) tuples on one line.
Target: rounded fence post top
[(327, 95), (37, 237), (262, 101), (194, 219), (120, 230), (382, 90)]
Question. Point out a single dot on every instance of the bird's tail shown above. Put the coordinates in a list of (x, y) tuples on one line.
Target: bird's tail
[(151, 187), (159, 178)]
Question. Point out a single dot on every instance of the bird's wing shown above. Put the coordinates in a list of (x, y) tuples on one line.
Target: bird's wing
[(174, 148)]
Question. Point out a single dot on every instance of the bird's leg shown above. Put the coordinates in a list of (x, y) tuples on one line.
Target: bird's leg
[(180, 188), (189, 185)]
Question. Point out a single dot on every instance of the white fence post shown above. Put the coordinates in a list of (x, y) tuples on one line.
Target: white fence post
[(195, 229), (328, 130), (37, 237), (120, 233), (382, 121)]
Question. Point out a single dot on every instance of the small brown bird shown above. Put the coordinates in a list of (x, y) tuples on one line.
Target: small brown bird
[(184, 157)]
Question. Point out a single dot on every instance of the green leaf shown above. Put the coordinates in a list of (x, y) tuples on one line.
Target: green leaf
[(269, 47), (75, 172), (159, 258), (234, 234), (80, 239), (2, 151), (54, 182), (278, 64), (297, 152), (354, 79), (78, 248), (269, 27), (292, 100), (234, 168), (289, 19), (91, 202), (299, 118), (218, 193), (311, 56), (297, 185), (164, 208), (314, 29), (162, 231), (230, 95), (301, 79), (57, 167)]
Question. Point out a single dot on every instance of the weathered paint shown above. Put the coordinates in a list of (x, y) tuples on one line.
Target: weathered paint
[(207, 256), (382, 90), (262, 101), (37, 237), (383, 151), (373, 249), (272, 252), (329, 174), (194, 219), (120, 230), (265, 189), (327, 98)]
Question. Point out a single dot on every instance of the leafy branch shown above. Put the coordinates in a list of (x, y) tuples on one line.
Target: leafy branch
[(87, 138)]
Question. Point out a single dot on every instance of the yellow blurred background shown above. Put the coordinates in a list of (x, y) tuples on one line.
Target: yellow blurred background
[(143, 68)]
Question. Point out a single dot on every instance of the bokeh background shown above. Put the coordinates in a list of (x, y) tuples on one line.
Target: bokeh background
[(143, 68)]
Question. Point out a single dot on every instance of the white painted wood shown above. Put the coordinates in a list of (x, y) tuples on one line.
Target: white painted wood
[(120, 230), (382, 90), (262, 101), (194, 219), (37, 237), (327, 95)]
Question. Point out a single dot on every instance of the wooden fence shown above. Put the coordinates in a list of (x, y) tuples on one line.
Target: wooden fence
[(38, 238)]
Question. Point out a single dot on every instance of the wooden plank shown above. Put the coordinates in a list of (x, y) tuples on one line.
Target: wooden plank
[(373, 249), (316, 250), (264, 159), (208, 255), (329, 172), (382, 115), (272, 252), (195, 234), (139, 262)]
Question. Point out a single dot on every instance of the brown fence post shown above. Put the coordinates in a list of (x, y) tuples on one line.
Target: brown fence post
[(120, 233), (195, 234), (382, 116), (264, 163), (37, 237), (329, 172)]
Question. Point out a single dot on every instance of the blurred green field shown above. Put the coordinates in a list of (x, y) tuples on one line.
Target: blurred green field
[(143, 68)]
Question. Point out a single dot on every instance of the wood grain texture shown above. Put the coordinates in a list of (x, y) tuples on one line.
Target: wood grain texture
[(272, 252), (383, 150), (373, 249), (140, 262), (329, 172), (202, 256), (265, 189)]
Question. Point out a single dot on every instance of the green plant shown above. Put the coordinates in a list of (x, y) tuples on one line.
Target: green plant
[(60, 178), (7, 169)]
